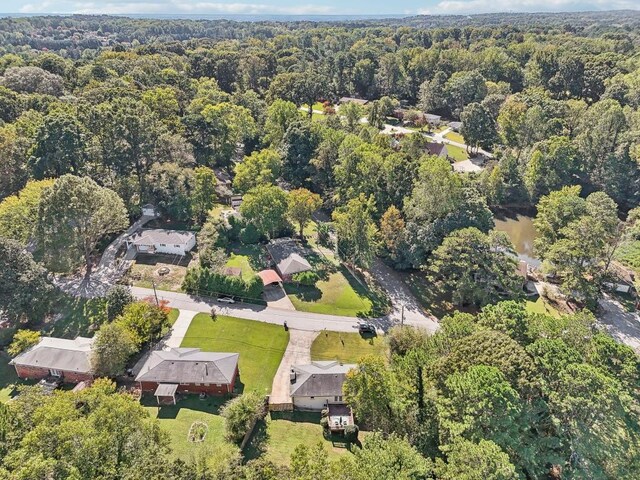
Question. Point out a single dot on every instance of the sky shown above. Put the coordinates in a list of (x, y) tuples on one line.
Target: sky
[(309, 7)]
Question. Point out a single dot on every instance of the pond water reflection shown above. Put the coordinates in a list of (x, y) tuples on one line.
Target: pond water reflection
[(522, 233)]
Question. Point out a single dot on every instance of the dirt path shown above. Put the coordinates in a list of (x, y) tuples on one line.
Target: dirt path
[(298, 352)]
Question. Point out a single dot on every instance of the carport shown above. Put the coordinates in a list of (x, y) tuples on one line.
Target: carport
[(269, 276)]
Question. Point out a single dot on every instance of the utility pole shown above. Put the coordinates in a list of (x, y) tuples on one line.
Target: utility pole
[(402, 316), (155, 293)]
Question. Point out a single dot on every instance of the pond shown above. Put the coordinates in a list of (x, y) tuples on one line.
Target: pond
[(521, 231)]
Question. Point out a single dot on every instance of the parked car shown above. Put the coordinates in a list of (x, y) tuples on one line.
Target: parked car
[(226, 300), (367, 328)]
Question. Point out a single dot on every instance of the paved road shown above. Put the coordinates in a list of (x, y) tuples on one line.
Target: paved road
[(624, 326), (295, 319)]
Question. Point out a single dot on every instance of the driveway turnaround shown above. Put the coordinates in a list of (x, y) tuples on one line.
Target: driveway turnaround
[(295, 319), (298, 352), (179, 328)]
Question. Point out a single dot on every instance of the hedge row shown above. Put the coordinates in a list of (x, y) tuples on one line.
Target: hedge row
[(204, 281)]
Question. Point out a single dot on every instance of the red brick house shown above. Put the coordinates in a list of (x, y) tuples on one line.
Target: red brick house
[(186, 370), (57, 357)]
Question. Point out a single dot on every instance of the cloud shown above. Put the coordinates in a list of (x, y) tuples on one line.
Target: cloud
[(489, 6), (35, 7), (176, 6)]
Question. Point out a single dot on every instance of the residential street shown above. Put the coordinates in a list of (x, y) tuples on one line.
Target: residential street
[(295, 319)]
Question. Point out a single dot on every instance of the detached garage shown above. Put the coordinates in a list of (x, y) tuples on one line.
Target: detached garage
[(158, 240)]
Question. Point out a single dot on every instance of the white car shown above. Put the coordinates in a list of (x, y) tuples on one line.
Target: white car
[(226, 300)]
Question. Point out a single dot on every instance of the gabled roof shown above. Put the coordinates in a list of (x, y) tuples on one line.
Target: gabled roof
[(359, 101), (319, 379), (59, 354), (187, 365), (269, 276), (288, 256), (154, 236), (295, 263), (435, 148)]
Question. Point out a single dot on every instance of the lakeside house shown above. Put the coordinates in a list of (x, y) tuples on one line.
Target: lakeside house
[(317, 384), (186, 370), (67, 360), (159, 240)]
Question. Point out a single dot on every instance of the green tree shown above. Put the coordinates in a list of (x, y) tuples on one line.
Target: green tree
[(24, 287), (226, 125), (265, 207), (111, 348), (483, 460), (118, 297), (240, 414), (475, 268), (301, 203), (478, 127), (279, 115), (356, 231), (74, 214), (552, 165), (23, 340), (19, 213), (260, 168), (144, 322), (204, 193)]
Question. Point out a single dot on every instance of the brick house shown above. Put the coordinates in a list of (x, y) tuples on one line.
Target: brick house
[(186, 370), (68, 360)]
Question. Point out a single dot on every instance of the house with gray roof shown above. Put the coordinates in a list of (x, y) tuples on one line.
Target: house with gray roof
[(288, 257), (317, 384), (160, 240), (186, 370), (69, 360)]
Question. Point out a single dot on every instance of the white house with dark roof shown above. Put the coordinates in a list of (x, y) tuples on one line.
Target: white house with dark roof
[(317, 384), (159, 240), (186, 370), (69, 360)]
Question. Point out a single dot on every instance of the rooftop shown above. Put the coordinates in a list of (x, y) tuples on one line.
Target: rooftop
[(58, 354), (319, 379), (187, 365), (435, 148), (153, 236), (288, 256)]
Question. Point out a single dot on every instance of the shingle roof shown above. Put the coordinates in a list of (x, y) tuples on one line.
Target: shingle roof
[(319, 379), (188, 365), (58, 354), (288, 257), (435, 148), (154, 236)]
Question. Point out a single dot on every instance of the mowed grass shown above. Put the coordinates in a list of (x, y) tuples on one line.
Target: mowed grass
[(333, 296), (458, 154), (540, 305), (260, 345), (454, 137), (346, 347), (8, 377), (248, 258), (173, 315), (176, 420), (629, 254), (282, 432)]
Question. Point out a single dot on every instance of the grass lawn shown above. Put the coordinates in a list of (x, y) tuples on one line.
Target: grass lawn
[(249, 258), (176, 420), (346, 347), (74, 316), (457, 153), (282, 432), (540, 305), (7, 377), (173, 315), (260, 345), (339, 294), (629, 254), (454, 137)]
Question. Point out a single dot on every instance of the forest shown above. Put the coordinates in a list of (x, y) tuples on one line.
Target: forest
[(101, 115)]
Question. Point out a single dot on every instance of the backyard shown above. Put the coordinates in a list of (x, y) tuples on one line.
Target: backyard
[(250, 259), (8, 377), (346, 347), (260, 345), (176, 420), (458, 154), (276, 438), (167, 271)]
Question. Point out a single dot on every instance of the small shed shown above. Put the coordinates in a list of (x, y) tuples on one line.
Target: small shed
[(166, 393), (232, 271), (269, 276)]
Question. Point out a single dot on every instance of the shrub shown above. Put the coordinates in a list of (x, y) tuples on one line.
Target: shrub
[(324, 423), (324, 237), (207, 281), (249, 235), (240, 414), (118, 297), (23, 340), (351, 433), (144, 321), (306, 278)]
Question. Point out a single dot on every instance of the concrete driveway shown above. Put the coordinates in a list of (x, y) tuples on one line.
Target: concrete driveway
[(623, 325), (298, 351), (276, 297)]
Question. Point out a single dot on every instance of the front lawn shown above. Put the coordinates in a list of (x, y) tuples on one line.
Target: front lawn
[(173, 315), (458, 154), (454, 137), (260, 345), (346, 347), (277, 437), (338, 294), (166, 271), (176, 420)]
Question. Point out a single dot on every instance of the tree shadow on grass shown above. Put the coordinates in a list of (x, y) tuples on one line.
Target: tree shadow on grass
[(257, 446), (380, 302), (211, 405), (304, 292)]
